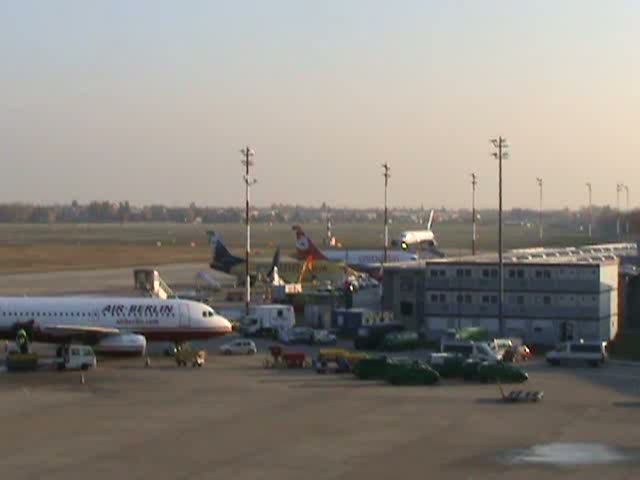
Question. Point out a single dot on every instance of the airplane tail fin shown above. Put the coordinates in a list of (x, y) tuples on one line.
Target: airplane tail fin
[(275, 263), (430, 222), (221, 258), (305, 248)]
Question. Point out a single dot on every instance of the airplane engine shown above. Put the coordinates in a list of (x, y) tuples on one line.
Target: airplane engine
[(125, 344)]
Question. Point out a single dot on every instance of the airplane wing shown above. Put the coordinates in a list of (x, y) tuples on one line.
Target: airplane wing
[(67, 330)]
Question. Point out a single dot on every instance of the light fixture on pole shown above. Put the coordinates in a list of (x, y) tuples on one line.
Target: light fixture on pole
[(247, 161), (539, 180), (500, 153), (386, 174), (474, 182), (588, 184), (626, 189), (619, 188)]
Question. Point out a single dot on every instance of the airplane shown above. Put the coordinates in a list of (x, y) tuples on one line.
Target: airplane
[(417, 237), (367, 261), (223, 260), (114, 325)]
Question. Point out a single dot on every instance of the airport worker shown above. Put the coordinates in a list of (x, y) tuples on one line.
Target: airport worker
[(23, 341)]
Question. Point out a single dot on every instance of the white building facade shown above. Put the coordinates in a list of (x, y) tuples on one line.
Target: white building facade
[(550, 295)]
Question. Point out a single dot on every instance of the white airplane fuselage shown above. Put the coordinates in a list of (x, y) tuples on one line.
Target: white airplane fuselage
[(417, 237), (56, 319), (367, 258)]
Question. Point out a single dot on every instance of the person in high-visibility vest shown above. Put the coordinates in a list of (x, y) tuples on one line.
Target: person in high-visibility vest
[(23, 341)]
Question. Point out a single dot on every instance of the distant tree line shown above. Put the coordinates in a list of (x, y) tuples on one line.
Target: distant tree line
[(604, 218)]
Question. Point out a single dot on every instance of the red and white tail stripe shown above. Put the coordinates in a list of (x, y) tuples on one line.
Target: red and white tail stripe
[(305, 248)]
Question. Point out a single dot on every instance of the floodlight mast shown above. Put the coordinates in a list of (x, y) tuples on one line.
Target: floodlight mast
[(500, 145), (247, 161)]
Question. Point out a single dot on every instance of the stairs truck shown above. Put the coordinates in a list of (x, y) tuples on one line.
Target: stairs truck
[(267, 320)]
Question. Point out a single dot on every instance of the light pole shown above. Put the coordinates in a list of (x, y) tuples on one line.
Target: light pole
[(386, 174), (619, 188), (247, 161), (588, 184), (626, 189), (474, 182), (500, 144), (539, 180)]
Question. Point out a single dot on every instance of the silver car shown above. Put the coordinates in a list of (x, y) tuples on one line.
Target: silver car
[(239, 347)]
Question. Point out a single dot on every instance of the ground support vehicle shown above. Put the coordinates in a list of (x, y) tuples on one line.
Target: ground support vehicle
[(21, 362), (185, 355), (75, 357), (521, 395), (414, 373), (337, 360), (279, 358), (500, 372)]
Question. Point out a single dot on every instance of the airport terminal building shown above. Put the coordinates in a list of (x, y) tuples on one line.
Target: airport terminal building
[(549, 294)]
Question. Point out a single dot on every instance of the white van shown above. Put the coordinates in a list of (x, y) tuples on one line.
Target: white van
[(75, 357), (592, 353), (268, 320)]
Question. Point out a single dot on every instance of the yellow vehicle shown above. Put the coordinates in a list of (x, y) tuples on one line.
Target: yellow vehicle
[(332, 354), (185, 355), (338, 355)]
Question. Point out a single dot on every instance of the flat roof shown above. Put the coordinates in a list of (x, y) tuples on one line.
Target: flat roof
[(600, 254)]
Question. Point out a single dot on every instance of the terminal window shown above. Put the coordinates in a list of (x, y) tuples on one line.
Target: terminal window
[(406, 308)]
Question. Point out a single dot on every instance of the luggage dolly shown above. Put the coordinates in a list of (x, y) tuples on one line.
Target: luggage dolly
[(521, 395)]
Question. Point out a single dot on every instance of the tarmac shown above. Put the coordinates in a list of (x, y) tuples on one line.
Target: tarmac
[(109, 281), (235, 419)]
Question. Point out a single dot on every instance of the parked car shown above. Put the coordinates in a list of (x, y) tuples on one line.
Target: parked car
[(592, 353), (297, 335), (324, 337), (240, 346)]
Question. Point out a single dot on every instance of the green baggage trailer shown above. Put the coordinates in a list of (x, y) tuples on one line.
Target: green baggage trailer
[(501, 372), (414, 373)]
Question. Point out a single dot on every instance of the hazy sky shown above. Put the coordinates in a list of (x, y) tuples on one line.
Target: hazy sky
[(150, 101)]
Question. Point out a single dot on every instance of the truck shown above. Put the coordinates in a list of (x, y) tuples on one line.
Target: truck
[(267, 320), (75, 357)]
